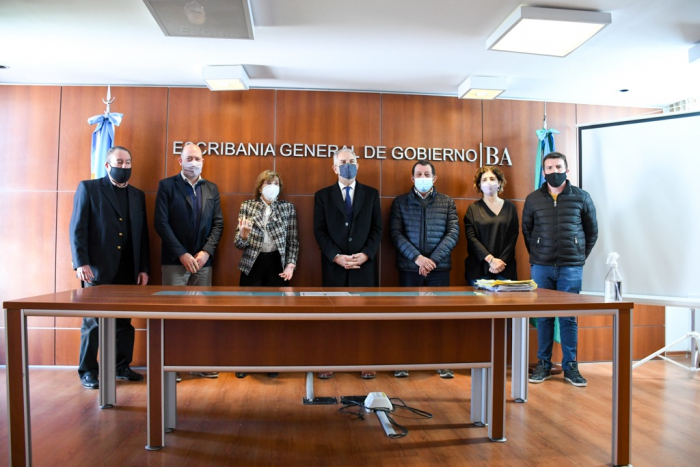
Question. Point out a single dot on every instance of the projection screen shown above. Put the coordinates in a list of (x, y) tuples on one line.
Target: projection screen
[(644, 178)]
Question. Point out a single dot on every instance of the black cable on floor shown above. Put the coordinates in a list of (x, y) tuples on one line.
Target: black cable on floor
[(361, 410)]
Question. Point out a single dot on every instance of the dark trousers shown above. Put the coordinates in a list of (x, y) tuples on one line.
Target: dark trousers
[(90, 341), (90, 336), (265, 271), (434, 279)]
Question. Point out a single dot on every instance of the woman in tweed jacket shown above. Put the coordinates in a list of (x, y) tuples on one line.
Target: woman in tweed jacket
[(267, 234)]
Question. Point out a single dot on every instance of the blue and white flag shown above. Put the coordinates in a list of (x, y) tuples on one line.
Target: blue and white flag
[(102, 141), (545, 146)]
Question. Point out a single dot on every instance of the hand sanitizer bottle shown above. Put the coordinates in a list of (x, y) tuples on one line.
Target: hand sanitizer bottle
[(613, 281)]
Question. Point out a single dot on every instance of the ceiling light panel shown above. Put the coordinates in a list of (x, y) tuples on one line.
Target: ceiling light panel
[(226, 78), (547, 31), (482, 87)]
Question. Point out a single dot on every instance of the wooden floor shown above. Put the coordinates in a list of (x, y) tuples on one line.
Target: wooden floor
[(261, 421)]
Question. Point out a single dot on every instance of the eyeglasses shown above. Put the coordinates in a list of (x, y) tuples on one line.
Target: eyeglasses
[(353, 162)]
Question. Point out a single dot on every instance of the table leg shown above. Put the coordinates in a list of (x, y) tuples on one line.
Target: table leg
[(155, 408), (622, 388), (170, 400), (519, 370), (497, 401), (108, 362), (480, 396), (17, 374)]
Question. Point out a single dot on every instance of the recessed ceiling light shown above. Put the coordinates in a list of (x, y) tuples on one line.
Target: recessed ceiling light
[(547, 31)]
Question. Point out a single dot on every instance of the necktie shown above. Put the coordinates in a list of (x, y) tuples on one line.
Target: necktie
[(348, 203)]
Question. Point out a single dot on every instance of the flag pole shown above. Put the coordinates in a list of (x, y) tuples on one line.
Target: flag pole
[(109, 99), (544, 120)]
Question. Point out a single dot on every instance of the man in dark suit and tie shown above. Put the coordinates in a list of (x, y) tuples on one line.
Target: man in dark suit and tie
[(189, 221), (109, 245), (348, 229)]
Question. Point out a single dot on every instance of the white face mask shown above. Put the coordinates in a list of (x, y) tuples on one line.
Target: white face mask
[(270, 192), (489, 188), (192, 169)]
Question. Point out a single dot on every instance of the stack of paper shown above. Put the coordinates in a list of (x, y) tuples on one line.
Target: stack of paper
[(506, 286)]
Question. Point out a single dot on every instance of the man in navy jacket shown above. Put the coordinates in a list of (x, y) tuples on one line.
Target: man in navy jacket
[(424, 228), (109, 245), (348, 227), (189, 221), (348, 230)]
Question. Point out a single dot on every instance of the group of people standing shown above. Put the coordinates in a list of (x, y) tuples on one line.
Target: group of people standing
[(109, 239)]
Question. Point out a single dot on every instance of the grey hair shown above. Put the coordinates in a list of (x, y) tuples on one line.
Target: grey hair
[(343, 149)]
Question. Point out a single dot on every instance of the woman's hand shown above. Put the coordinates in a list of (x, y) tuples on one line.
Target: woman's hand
[(244, 227), (288, 272)]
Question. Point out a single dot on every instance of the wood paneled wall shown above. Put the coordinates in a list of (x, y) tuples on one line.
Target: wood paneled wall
[(45, 150)]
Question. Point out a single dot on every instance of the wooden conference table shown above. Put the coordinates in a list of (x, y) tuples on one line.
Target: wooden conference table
[(311, 329)]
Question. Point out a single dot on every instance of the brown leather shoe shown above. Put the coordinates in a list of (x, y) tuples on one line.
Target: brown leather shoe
[(325, 375), (368, 375)]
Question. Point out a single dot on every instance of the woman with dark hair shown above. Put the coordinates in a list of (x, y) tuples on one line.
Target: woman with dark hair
[(267, 234), (491, 226)]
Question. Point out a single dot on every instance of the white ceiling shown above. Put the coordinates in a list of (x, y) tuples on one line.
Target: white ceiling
[(402, 46)]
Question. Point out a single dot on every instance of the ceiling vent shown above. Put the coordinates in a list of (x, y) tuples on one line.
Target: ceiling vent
[(210, 19)]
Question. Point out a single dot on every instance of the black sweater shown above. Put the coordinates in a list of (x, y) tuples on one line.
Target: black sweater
[(490, 234)]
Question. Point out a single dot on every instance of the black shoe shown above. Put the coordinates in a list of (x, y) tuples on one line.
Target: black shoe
[(129, 374), (572, 375), (178, 377), (446, 374), (273, 375), (90, 381), (401, 374), (241, 375), (542, 372)]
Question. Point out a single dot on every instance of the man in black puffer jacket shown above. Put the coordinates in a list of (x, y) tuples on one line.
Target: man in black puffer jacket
[(560, 230), (424, 228)]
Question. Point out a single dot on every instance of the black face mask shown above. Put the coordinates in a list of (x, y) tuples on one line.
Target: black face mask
[(555, 179), (120, 175)]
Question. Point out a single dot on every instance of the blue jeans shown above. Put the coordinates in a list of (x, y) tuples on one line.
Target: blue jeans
[(564, 279)]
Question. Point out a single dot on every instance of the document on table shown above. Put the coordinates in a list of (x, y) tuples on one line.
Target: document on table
[(506, 286)]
